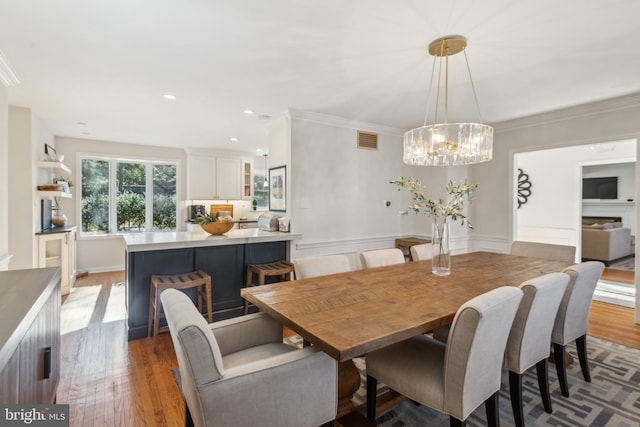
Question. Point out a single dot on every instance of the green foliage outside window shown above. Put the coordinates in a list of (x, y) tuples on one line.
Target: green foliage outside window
[(130, 196)]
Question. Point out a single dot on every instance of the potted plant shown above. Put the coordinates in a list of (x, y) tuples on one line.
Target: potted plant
[(255, 204)]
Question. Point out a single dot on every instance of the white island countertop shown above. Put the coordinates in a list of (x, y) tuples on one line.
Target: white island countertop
[(137, 242)]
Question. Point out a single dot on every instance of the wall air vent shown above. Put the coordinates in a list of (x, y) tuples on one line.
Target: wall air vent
[(367, 140)]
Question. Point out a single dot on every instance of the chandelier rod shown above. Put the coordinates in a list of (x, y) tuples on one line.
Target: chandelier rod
[(426, 113), (473, 87)]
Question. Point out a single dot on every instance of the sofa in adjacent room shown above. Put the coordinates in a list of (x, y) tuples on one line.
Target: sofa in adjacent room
[(606, 242)]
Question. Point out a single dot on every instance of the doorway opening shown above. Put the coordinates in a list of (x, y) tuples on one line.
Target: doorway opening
[(554, 210)]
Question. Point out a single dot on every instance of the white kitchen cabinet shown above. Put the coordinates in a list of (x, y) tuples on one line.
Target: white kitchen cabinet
[(247, 179), (58, 249), (202, 175), (228, 176), (216, 177)]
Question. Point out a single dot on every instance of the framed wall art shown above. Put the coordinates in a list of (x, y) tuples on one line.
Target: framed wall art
[(278, 189)]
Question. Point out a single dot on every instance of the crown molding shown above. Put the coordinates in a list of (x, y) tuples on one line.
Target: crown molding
[(571, 113), (326, 119), (8, 76)]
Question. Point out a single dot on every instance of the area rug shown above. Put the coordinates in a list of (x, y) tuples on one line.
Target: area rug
[(626, 264), (612, 399)]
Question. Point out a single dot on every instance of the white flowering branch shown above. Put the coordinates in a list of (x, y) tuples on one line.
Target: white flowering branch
[(457, 196)]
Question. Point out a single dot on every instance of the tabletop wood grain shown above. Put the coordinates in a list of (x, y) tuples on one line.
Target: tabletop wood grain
[(350, 314)]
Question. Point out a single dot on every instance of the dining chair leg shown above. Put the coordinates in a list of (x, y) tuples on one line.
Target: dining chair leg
[(454, 422), (492, 410), (558, 358), (581, 346), (543, 384), (372, 386), (515, 389), (188, 421)]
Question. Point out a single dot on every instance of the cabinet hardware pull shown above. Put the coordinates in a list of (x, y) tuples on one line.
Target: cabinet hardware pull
[(47, 362)]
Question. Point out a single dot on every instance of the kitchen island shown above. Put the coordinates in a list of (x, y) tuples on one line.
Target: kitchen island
[(223, 257)]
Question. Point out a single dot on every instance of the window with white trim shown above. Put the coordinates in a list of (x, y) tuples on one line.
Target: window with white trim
[(123, 196)]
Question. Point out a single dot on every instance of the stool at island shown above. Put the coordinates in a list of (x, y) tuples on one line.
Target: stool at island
[(198, 279), (283, 269)]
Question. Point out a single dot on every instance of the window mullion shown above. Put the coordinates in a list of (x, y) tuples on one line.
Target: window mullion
[(113, 197), (149, 197)]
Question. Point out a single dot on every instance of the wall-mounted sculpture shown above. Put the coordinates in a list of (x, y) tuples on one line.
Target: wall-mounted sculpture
[(524, 188)]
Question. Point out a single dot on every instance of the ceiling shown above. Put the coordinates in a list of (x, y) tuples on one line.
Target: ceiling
[(107, 65)]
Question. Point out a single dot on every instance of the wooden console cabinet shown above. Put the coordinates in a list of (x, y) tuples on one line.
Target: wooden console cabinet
[(29, 335)]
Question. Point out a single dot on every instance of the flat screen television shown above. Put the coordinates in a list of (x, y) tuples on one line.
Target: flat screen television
[(600, 188)]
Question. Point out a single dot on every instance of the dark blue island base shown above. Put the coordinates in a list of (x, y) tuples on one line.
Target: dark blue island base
[(226, 264)]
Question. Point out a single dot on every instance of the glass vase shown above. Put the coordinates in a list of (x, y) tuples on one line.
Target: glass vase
[(58, 219), (441, 254)]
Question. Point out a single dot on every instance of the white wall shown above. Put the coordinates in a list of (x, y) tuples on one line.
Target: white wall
[(338, 192), (105, 253), (4, 178), (556, 177), (27, 136)]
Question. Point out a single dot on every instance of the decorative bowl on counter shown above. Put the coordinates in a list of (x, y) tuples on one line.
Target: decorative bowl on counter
[(218, 227)]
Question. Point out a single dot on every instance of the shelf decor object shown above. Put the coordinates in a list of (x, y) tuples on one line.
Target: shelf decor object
[(444, 143)]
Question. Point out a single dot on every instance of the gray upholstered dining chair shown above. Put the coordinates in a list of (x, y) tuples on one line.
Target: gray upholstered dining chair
[(381, 257), (421, 252), (548, 251), (573, 318), (314, 266), (238, 372), (528, 342), (457, 377)]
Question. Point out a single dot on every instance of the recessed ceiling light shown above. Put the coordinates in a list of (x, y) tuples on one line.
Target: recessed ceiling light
[(81, 123), (259, 150), (233, 139), (248, 111), (169, 96)]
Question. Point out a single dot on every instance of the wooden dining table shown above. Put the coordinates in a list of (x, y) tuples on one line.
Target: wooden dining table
[(347, 315)]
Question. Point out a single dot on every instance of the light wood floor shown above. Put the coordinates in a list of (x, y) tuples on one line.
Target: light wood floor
[(108, 381)]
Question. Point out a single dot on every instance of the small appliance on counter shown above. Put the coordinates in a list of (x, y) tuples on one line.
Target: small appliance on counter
[(283, 224), (268, 222), (195, 210)]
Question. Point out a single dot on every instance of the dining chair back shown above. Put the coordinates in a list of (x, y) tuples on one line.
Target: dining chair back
[(315, 266), (453, 378), (547, 251), (421, 252), (572, 319), (239, 372), (381, 257), (528, 342)]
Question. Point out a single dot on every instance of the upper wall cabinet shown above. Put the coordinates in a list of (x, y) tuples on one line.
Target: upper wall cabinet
[(216, 175)]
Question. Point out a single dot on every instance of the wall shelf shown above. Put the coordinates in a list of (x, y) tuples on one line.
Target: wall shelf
[(54, 165), (62, 194)]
